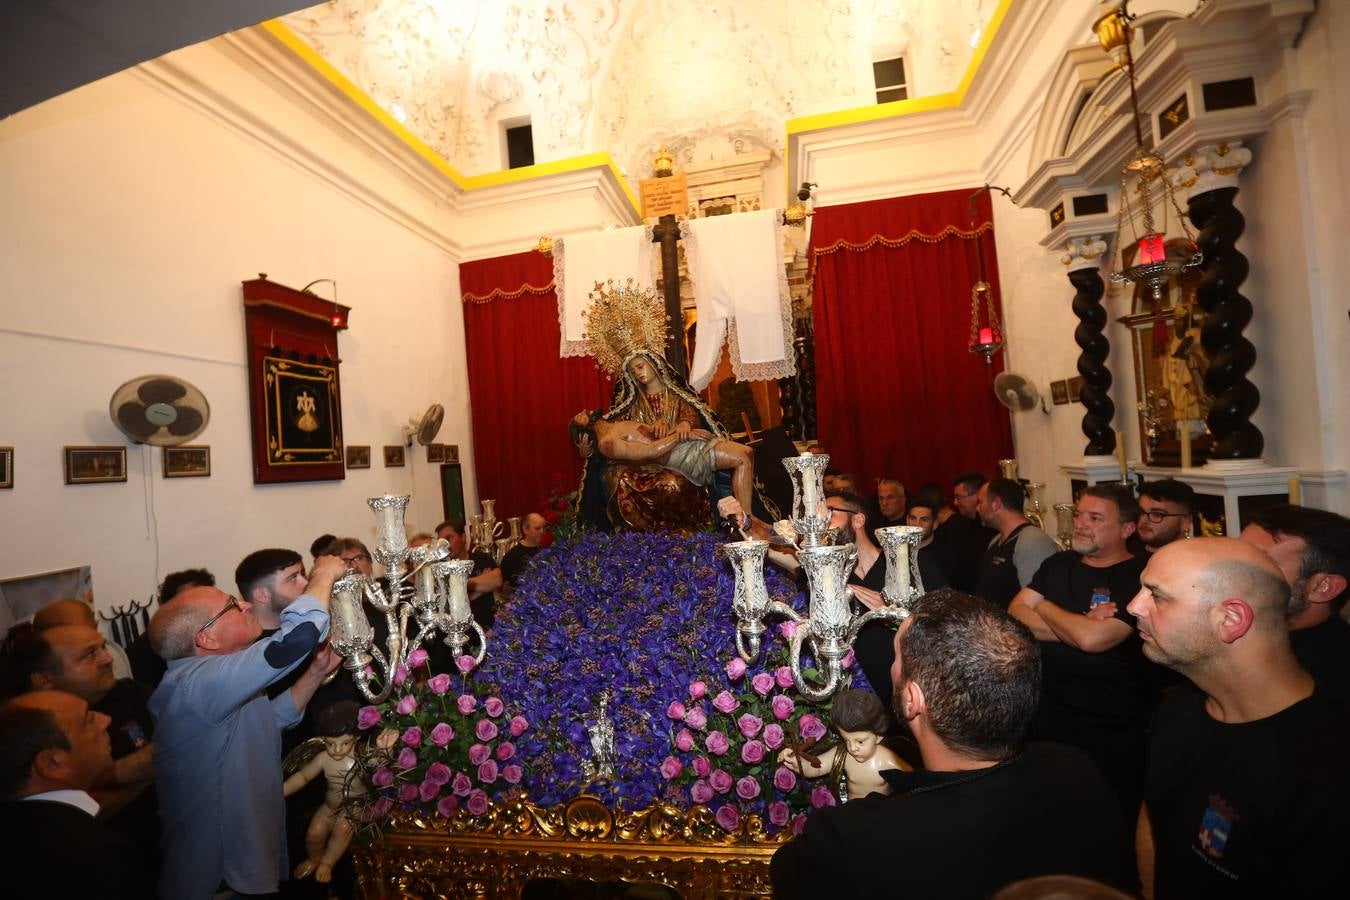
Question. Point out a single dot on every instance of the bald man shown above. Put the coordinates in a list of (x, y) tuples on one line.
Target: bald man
[(1246, 789), (532, 529), (77, 612)]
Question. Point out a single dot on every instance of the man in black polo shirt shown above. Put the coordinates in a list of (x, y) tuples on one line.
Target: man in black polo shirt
[(960, 539), (1017, 551)]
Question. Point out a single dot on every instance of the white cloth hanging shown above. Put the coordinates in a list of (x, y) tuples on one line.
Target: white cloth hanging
[(580, 260)]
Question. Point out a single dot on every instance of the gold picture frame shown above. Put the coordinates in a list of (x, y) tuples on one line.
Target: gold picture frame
[(393, 456), (358, 456), (6, 467), (435, 453), (99, 464), (187, 461)]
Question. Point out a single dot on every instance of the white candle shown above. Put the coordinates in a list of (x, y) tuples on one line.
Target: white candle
[(808, 492), (1120, 456), (902, 561), (1295, 491), (459, 599)]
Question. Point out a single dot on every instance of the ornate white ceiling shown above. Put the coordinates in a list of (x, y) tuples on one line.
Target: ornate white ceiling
[(706, 78)]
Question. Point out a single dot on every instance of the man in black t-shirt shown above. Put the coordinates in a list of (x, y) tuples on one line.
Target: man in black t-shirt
[(483, 581), (514, 563), (1247, 793), (1094, 695), (960, 540)]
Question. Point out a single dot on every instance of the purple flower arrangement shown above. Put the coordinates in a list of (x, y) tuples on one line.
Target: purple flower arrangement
[(454, 743)]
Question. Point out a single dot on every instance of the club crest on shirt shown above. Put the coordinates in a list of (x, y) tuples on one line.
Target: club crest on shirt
[(1100, 595), (1216, 825), (134, 734)]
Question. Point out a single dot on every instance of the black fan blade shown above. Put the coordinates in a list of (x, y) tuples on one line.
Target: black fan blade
[(160, 390), (131, 416), (188, 421)]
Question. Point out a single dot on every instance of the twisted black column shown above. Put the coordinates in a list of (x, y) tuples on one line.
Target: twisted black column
[(1096, 397), (1227, 312)]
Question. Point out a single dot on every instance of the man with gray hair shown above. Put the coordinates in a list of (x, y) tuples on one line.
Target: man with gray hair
[(1247, 791), (218, 736)]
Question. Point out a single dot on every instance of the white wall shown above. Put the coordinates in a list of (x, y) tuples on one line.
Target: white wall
[(131, 213)]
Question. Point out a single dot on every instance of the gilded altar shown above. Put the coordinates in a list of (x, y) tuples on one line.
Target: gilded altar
[(497, 855)]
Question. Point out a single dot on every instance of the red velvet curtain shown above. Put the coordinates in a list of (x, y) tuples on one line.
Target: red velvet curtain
[(897, 392), (521, 393)]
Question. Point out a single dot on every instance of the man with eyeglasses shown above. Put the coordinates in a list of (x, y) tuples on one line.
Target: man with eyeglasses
[(218, 736), (1165, 509), (960, 540)]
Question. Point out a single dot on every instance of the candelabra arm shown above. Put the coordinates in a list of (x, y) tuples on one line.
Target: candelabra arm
[(482, 641), (893, 614), (362, 674), (742, 637), (831, 666), (787, 612)]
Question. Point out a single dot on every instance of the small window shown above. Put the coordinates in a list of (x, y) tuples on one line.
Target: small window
[(519, 146), (889, 75)]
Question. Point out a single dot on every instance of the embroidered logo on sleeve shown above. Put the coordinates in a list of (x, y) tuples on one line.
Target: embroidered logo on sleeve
[(1216, 825), (1101, 595)]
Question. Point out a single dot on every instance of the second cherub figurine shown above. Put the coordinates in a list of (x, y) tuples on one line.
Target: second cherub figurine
[(856, 763), (330, 830)]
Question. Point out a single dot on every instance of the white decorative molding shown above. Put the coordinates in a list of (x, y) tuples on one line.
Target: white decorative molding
[(1210, 168), (1083, 253)]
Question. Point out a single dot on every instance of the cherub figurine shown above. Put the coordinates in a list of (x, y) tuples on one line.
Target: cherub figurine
[(860, 721), (330, 830)]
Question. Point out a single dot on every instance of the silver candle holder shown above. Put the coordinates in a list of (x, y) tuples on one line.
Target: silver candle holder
[(904, 581), (807, 474)]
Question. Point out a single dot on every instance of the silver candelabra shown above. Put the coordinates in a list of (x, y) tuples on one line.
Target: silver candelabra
[(484, 532)]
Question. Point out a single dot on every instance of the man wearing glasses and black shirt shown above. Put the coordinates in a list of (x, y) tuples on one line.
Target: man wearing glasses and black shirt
[(1165, 509)]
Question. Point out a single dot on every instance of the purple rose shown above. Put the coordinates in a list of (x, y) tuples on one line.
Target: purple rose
[(382, 777), (442, 734), (466, 664), (773, 736), (701, 791), (726, 703), (512, 774), (400, 675), (367, 717), (428, 790), (697, 689), (684, 741), (417, 658), (782, 676), (811, 728), (494, 706), (752, 753), (461, 784), (407, 792), (413, 736), (505, 750), (821, 798), (735, 668), (788, 629), (717, 743), (485, 730), (696, 718), (518, 725), (466, 704), (784, 779), (671, 768), (747, 788), (479, 754), (762, 683), (728, 817), (675, 710), (487, 772), (799, 823), (406, 705), (783, 707), (749, 724), (439, 684), (407, 758), (847, 661), (477, 802), (447, 805), (701, 766), (779, 813), (381, 807), (438, 773), (721, 781)]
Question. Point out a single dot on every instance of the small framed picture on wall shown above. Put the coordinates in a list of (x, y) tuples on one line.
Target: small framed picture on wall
[(393, 456), (6, 467), (358, 456), (95, 465), (187, 461)]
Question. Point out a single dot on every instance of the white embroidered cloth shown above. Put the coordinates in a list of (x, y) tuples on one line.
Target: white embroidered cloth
[(740, 286), (580, 260)]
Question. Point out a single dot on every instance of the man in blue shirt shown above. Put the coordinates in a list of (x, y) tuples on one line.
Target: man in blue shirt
[(218, 737)]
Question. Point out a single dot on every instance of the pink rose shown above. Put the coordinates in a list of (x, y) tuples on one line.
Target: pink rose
[(439, 684), (406, 705), (478, 801), (696, 718), (684, 741), (783, 707), (381, 807), (701, 766), (367, 717), (721, 781), (676, 710), (494, 706), (487, 772), (442, 734), (518, 725), (461, 784), (466, 704), (447, 805), (752, 753), (762, 683), (811, 728), (821, 798), (779, 813), (512, 774), (735, 668), (726, 703), (728, 817), (417, 658), (479, 754), (788, 629), (400, 675), (717, 743), (697, 689), (784, 779), (671, 768), (407, 792), (407, 759), (485, 730), (505, 750), (438, 773), (413, 736), (749, 724), (782, 676), (799, 823), (847, 661), (773, 736), (382, 777), (747, 788), (466, 664), (701, 791), (428, 790)]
